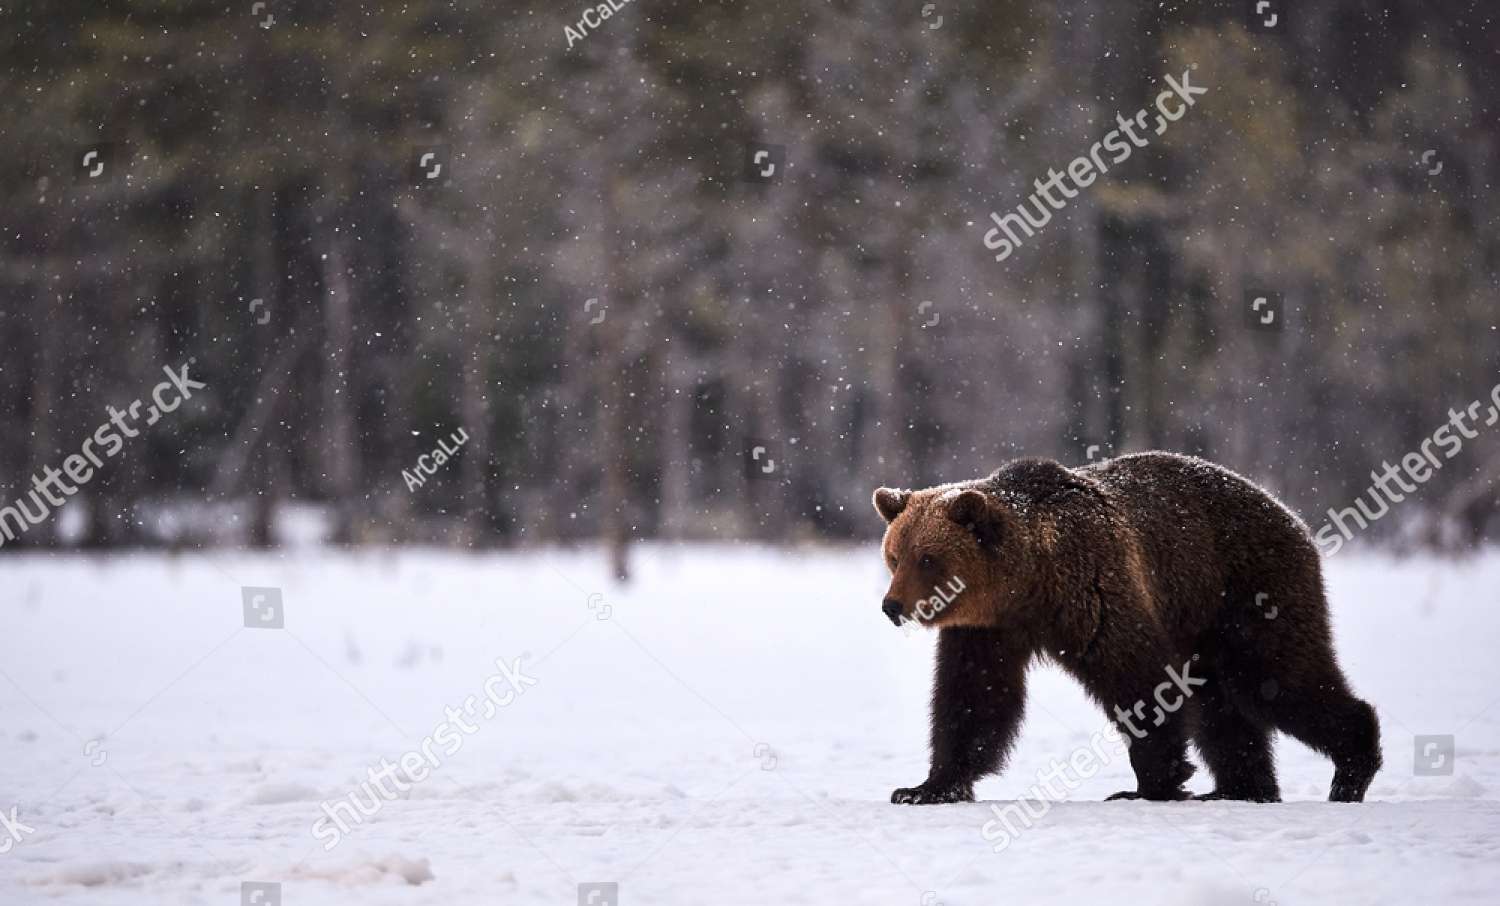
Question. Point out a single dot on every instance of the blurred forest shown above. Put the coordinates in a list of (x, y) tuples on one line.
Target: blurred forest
[(617, 309)]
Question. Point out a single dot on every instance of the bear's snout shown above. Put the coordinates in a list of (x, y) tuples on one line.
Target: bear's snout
[(892, 609)]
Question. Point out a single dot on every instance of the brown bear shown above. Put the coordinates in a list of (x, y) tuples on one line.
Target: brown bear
[(1127, 573)]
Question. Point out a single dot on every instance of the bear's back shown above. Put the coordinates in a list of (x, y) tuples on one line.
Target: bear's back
[(1158, 483), (1201, 529)]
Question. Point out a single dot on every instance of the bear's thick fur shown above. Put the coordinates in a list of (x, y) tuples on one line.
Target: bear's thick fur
[(1120, 572)]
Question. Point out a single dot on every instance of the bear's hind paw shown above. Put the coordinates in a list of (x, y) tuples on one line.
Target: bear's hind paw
[(1167, 796), (932, 795), (1240, 796)]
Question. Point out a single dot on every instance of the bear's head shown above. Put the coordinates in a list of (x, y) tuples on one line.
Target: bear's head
[(947, 549)]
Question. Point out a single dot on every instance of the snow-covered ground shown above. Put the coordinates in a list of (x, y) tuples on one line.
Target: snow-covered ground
[(729, 733)]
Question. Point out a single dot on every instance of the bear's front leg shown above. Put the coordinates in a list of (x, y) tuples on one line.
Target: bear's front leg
[(978, 699)]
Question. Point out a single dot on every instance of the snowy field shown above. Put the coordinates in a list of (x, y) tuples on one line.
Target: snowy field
[(730, 733)]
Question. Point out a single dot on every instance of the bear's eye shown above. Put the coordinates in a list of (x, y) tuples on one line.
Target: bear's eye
[(928, 562), (891, 561)]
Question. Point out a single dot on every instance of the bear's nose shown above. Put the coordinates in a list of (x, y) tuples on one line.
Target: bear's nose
[(892, 609)]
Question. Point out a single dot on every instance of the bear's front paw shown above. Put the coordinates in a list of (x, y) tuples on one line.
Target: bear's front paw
[(933, 794)]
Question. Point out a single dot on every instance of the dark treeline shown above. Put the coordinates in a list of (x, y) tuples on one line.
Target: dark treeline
[(372, 225)]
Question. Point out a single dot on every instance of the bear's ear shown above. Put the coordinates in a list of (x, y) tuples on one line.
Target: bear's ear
[(973, 511), (889, 502)]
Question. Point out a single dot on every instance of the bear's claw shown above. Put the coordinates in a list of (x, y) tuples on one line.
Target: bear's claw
[(932, 795)]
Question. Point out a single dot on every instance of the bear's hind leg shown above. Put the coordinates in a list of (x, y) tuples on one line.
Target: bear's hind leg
[(1150, 715), (1300, 689), (1159, 759), (1331, 721), (1276, 627), (1236, 746)]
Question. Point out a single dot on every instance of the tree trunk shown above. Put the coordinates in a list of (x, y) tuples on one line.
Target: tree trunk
[(475, 406), (43, 401), (611, 377), (340, 452), (261, 489), (675, 447)]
